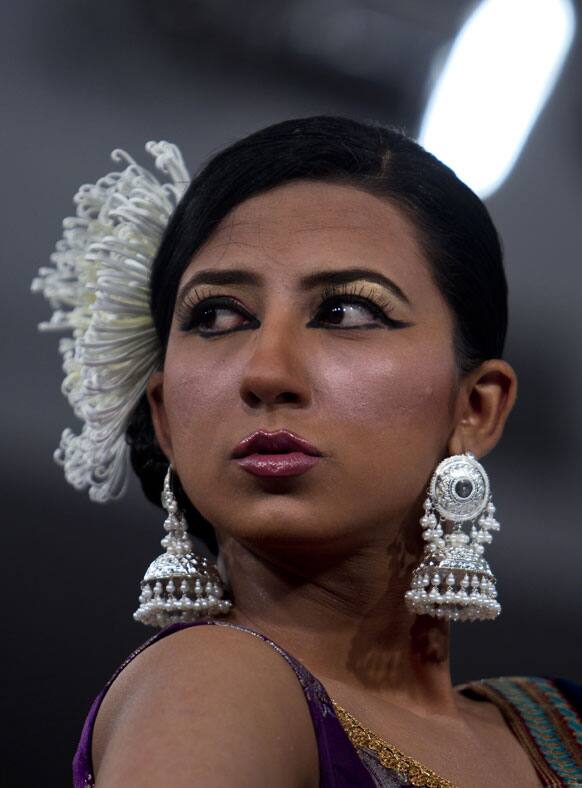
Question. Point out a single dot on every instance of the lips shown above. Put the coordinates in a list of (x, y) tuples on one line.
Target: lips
[(280, 442), (276, 454)]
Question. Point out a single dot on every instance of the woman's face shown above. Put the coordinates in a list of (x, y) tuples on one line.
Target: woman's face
[(365, 372)]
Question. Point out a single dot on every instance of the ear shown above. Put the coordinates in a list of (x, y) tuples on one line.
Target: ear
[(486, 398), (155, 395)]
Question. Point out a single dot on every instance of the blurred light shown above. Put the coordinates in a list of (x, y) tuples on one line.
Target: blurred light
[(500, 72)]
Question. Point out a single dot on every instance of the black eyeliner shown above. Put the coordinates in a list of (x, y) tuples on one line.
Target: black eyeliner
[(189, 313), (374, 309)]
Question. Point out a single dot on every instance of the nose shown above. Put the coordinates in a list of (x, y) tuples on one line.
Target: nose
[(275, 371)]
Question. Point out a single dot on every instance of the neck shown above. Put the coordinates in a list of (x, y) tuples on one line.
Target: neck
[(345, 619)]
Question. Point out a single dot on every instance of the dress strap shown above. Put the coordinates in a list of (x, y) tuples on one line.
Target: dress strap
[(339, 764)]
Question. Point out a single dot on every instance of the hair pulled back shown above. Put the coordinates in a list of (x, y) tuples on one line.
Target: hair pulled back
[(453, 227)]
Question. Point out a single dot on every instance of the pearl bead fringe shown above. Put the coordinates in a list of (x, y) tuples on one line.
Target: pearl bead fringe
[(179, 585)]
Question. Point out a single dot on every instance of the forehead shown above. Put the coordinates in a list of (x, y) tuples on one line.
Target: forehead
[(296, 228)]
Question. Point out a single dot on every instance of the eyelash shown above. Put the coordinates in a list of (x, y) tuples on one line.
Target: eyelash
[(189, 316)]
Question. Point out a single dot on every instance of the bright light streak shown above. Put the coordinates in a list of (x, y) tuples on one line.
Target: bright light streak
[(502, 68)]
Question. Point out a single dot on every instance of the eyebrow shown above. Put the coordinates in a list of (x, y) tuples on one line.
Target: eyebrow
[(239, 276)]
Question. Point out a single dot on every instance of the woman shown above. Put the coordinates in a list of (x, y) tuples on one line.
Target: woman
[(329, 290)]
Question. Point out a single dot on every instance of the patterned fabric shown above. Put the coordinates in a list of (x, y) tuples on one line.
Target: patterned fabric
[(543, 713)]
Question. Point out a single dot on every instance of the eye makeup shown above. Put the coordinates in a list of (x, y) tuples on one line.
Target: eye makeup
[(194, 308), (371, 298), (198, 306), (322, 277)]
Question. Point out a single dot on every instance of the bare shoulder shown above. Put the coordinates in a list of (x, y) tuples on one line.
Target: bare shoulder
[(207, 705)]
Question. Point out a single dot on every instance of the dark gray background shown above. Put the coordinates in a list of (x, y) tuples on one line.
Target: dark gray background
[(82, 78)]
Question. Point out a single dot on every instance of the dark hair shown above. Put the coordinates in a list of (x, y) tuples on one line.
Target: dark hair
[(453, 227)]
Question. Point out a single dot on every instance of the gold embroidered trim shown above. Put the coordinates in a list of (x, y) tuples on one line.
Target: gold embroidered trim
[(389, 756)]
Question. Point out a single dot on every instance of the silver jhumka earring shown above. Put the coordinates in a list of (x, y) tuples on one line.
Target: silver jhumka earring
[(453, 580), (179, 585)]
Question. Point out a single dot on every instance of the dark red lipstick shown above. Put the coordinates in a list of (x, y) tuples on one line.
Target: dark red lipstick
[(280, 453)]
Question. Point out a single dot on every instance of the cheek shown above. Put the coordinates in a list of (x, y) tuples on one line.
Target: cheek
[(402, 393), (391, 417), (195, 398)]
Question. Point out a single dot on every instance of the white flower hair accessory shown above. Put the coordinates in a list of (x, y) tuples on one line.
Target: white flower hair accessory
[(99, 288)]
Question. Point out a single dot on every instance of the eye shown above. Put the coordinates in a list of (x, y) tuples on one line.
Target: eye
[(346, 312), (348, 301), (213, 315)]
